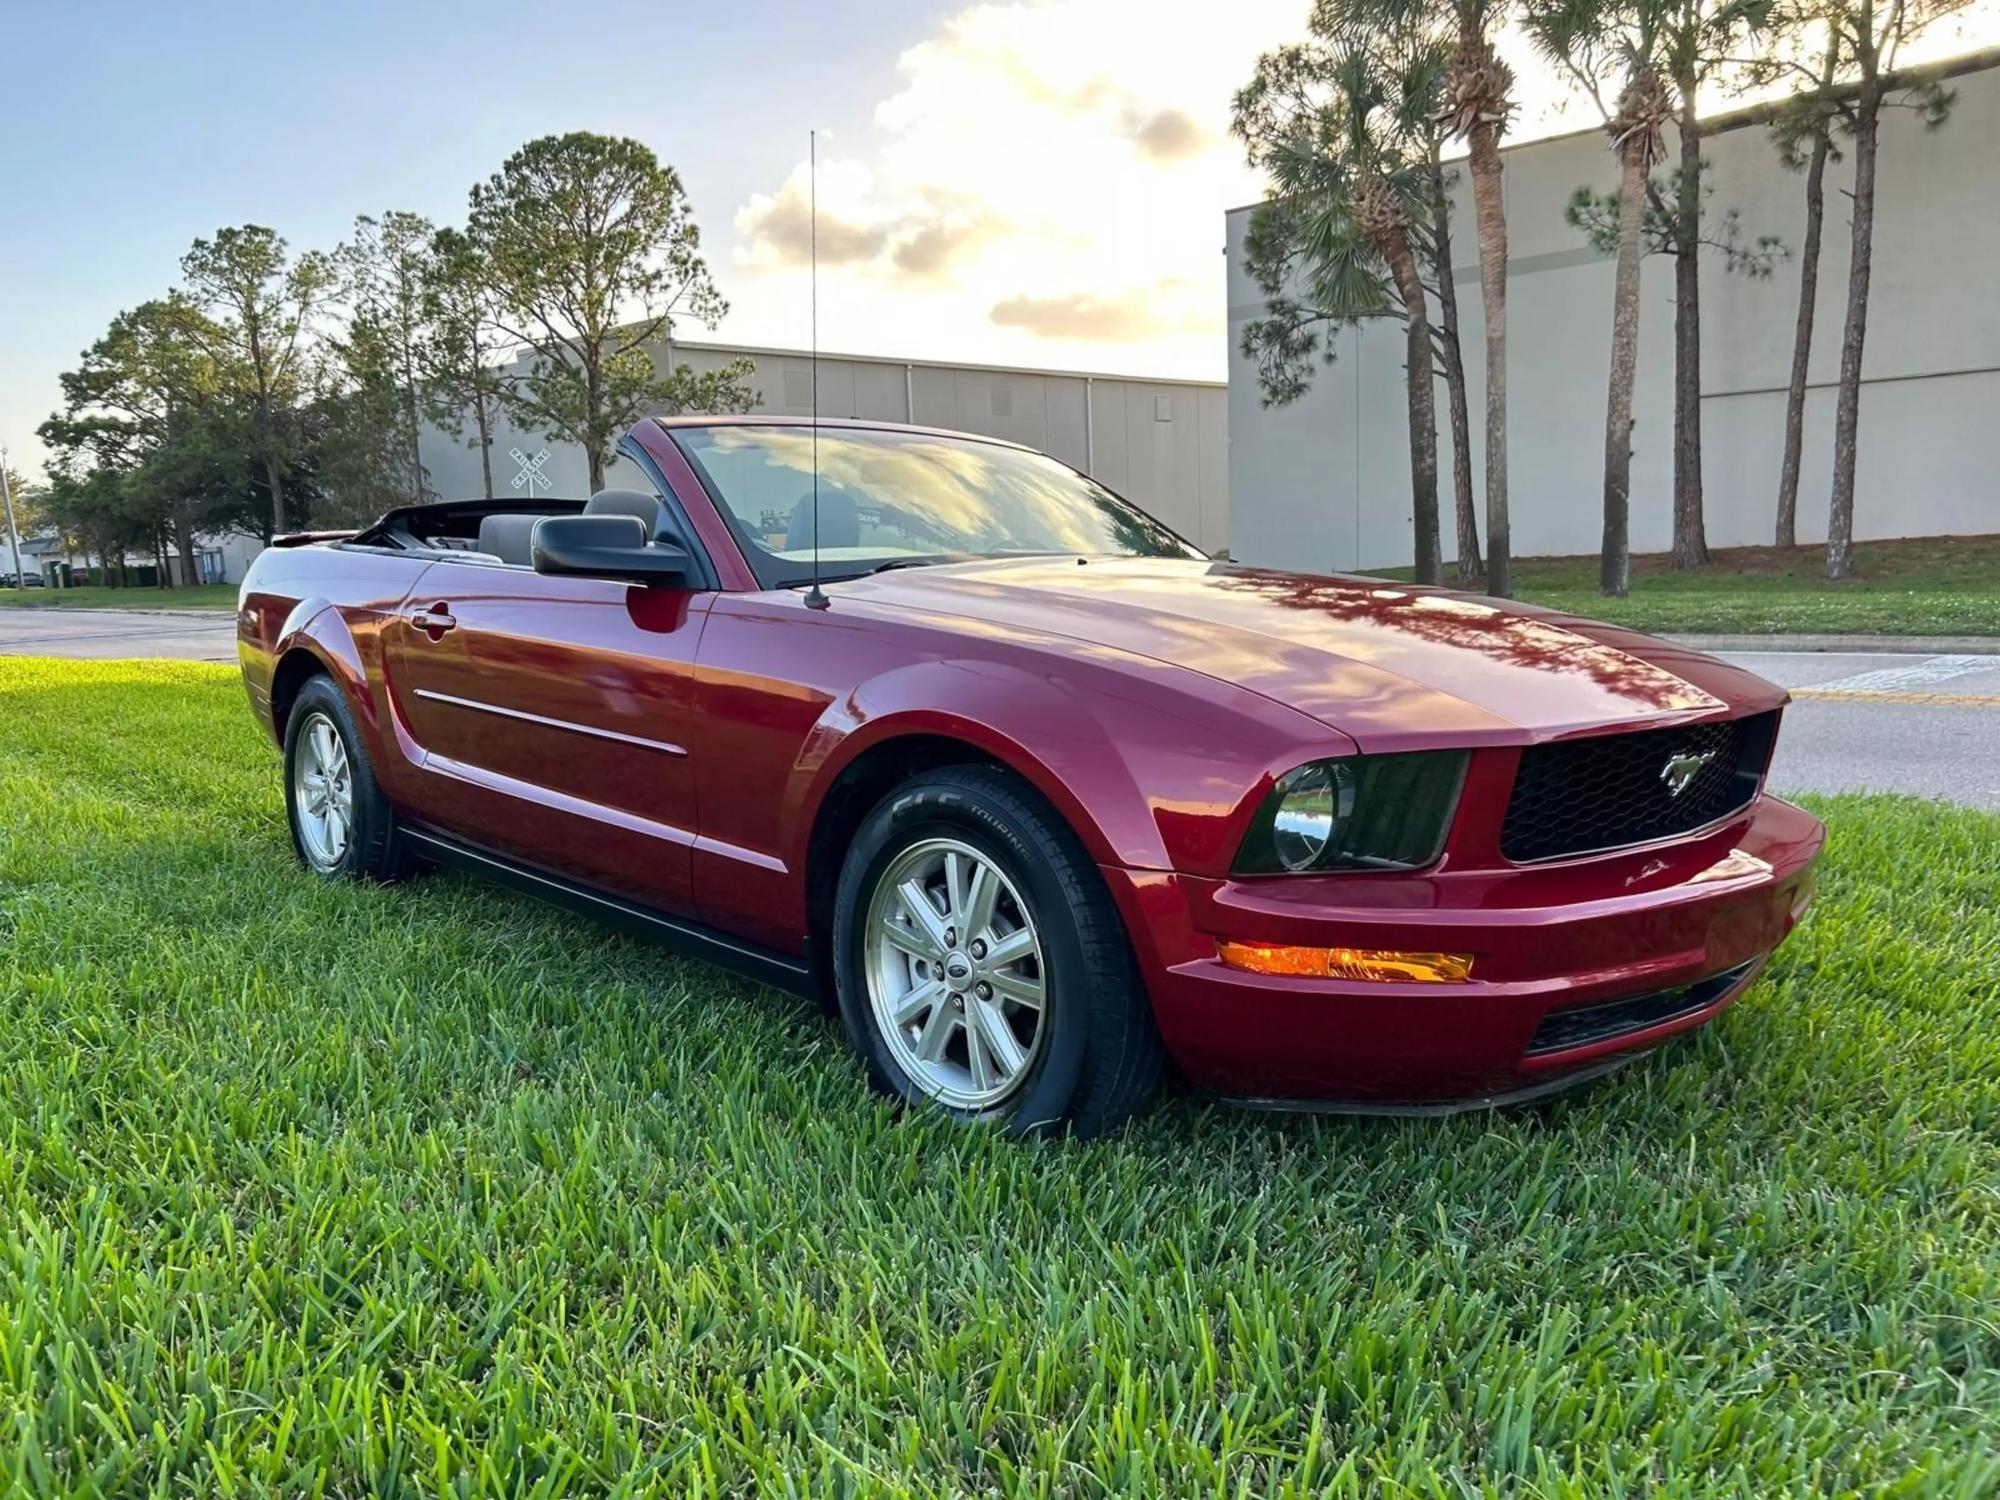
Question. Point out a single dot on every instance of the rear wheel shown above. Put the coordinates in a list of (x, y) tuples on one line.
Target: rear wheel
[(342, 826), (982, 965)]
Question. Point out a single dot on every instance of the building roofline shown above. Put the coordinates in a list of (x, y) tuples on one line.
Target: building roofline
[(679, 421), (776, 352), (1045, 372)]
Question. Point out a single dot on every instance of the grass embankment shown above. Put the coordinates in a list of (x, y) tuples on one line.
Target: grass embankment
[(1928, 586), (432, 1190), (98, 596)]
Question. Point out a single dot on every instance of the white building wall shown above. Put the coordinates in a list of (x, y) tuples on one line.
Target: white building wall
[(1162, 444), (1325, 483)]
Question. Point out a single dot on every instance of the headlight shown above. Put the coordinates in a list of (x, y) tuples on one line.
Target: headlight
[(1309, 804), (1365, 812)]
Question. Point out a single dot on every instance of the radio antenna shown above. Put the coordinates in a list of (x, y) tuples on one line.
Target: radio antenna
[(815, 596)]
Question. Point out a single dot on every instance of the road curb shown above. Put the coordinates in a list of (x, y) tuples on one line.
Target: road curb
[(163, 611), (1911, 645)]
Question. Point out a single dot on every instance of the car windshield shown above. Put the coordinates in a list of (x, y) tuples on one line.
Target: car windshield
[(890, 498)]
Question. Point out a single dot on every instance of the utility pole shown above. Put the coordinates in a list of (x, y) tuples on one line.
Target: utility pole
[(13, 533)]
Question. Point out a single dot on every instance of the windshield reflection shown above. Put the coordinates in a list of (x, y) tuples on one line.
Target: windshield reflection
[(889, 497)]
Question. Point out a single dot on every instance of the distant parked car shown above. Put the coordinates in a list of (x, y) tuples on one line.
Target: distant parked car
[(1038, 797), (23, 581)]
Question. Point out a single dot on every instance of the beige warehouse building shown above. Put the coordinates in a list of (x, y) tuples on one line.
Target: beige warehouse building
[(1161, 443), (1325, 483)]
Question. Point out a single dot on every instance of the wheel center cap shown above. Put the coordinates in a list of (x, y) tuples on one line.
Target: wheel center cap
[(957, 968)]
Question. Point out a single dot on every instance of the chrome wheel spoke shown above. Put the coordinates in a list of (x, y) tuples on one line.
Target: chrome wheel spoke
[(954, 886), (978, 1061), (907, 1009), (937, 1031), (1020, 988), (982, 890), (923, 916), (910, 938), (1011, 949), (996, 1037)]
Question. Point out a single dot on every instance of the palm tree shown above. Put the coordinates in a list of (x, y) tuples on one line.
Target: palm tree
[(1590, 40), (1697, 39), (1418, 53), (1349, 199), (1478, 101), (1872, 34), (1803, 132), (1451, 356), (1635, 134)]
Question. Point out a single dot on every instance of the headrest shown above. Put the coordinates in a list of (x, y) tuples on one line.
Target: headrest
[(508, 537), (636, 503), (839, 521)]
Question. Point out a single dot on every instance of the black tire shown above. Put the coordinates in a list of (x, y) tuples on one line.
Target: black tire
[(372, 850), (1098, 1058)]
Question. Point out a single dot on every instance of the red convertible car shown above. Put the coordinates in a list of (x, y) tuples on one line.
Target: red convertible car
[(1040, 799)]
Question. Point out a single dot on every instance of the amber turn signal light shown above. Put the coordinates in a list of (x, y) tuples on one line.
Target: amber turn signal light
[(1347, 963)]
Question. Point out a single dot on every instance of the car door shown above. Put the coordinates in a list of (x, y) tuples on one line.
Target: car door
[(551, 716)]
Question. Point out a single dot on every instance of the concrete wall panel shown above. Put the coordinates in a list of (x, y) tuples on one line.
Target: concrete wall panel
[(1929, 446)]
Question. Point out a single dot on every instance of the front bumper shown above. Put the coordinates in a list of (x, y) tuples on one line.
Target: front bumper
[(1642, 925)]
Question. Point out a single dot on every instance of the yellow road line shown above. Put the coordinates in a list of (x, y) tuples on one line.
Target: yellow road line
[(1837, 695)]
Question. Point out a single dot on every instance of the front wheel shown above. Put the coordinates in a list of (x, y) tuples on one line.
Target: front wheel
[(342, 825), (982, 966)]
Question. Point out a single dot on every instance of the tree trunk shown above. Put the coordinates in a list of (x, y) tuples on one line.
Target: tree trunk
[(1423, 405), (1491, 213), (276, 479), (267, 429), (416, 447), (485, 421), (184, 544), (1614, 567), (1469, 567), (1690, 530), (1795, 396), (1847, 415), (593, 429), (482, 417)]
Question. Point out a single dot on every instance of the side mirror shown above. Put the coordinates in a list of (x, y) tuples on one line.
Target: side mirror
[(606, 547)]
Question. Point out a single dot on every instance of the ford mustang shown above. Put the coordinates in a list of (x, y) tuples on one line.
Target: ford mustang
[(1041, 801)]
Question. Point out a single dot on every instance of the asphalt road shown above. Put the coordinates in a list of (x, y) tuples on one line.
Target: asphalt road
[(1929, 725), (192, 635)]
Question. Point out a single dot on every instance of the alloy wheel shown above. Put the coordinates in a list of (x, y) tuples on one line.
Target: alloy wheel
[(956, 978), (323, 793)]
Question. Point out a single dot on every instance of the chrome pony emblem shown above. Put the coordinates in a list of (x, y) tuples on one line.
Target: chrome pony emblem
[(1680, 771)]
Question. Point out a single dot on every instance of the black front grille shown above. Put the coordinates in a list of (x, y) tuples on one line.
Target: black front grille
[(1563, 1029), (1580, 796)]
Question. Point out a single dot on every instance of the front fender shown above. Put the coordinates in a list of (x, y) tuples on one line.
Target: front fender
[(1148, 780), (1003, 712), (316, 627)]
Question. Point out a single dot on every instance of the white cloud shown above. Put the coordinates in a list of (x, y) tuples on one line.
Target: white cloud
[(1128, 317), (1046, 183)]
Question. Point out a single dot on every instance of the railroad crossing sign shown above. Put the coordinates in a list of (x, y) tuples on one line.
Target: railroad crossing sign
[(531, 474)]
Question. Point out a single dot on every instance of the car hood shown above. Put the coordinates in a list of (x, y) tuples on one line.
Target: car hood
[(1390, 665)]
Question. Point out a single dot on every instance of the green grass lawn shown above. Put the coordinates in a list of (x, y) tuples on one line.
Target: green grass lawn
[(97, 596), (434, 1191), (1930, 586)]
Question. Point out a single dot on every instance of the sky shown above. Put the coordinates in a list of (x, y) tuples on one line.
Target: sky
[(1032, 182)]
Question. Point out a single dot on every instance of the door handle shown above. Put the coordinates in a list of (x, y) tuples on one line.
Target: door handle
[(434, 621)]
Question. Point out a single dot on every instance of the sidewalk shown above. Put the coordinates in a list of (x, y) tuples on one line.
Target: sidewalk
[(1909, 645)]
